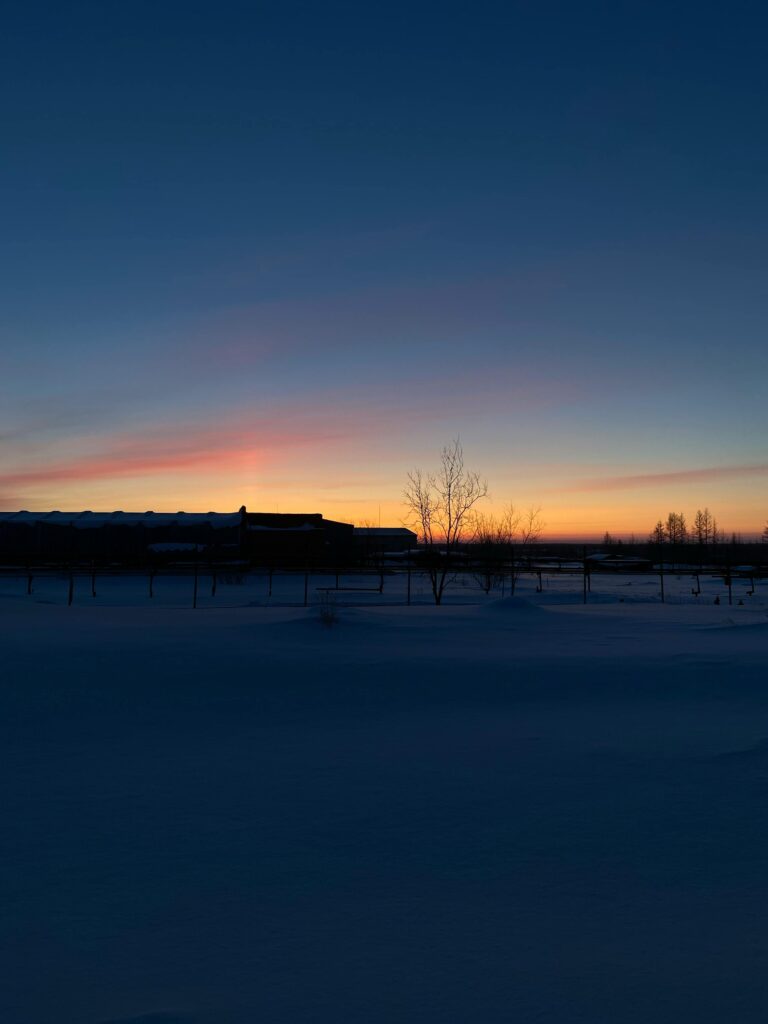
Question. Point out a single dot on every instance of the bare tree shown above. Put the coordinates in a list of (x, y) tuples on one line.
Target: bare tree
[(765, 534), (496, 538), (441, 507), (505, 528), (529, 529), (718, 536), (675, 528), (657, 534), (702, 525), (489, 550)]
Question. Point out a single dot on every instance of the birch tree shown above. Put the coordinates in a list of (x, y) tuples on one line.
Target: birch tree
[(441, 507)]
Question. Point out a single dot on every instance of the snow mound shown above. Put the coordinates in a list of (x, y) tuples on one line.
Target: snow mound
[(518, 605)]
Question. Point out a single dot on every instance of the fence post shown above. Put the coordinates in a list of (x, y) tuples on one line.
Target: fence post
[(194, 592), (584, 581), (93, 580), (408, 599), (306, 587), (71, 588), (213, 583)]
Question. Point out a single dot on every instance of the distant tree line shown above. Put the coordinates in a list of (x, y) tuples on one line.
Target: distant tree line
[(675, 529), (704, 530)]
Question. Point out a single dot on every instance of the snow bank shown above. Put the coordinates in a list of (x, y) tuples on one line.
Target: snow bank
[(524, 810)]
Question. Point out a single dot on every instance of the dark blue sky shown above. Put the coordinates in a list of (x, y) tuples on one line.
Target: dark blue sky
[(542, 226)]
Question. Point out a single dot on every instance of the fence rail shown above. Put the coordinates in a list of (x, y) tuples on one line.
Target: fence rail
[(197, 584)]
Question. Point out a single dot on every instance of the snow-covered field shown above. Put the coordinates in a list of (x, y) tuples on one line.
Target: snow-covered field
[(495, 811)]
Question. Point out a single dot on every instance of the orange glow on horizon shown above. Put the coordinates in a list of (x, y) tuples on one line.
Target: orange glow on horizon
[(189, 493), (357, 476)]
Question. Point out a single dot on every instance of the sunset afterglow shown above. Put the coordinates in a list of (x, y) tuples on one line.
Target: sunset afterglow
[(239, 292)]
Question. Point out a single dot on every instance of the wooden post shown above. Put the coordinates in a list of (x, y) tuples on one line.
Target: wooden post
[(408, 599), (306, 587), (93, 580), (194, 592), (381, 581), (584, 581), (151, 582), (71, 588), (29, 581), (213, 583)]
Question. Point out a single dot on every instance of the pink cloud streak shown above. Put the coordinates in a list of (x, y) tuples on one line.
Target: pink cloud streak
[(683, 476), (251, 442)]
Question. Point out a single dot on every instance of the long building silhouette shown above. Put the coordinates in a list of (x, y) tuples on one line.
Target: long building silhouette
[(137, 538)]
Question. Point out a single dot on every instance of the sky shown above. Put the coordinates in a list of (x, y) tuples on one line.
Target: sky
[(280, 254)]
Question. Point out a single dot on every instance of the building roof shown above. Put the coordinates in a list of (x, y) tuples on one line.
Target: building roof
[(302, 528), (149, 520), (384, 531), (170, 546)]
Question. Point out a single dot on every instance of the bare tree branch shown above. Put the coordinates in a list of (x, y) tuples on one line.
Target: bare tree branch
[(440, 506)]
